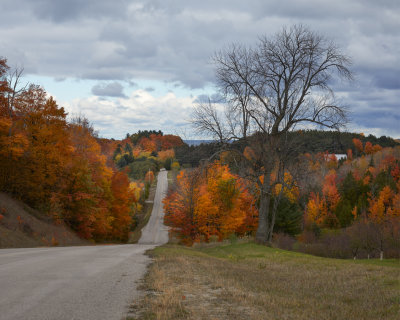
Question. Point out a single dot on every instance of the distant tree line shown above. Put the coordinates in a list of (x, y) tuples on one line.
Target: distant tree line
[(307, 141), (314, 141)]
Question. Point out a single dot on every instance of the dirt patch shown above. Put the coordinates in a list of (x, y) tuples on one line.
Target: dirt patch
[(23, 227)]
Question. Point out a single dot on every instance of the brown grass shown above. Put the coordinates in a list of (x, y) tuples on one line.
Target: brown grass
[(247, 281)]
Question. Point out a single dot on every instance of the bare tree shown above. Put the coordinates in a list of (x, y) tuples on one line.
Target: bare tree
[(282, 83)]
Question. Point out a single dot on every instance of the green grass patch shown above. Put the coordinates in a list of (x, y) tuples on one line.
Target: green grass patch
[(251, 250)]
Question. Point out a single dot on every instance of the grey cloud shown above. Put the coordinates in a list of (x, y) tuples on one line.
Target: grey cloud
[(60, 10), (149, 89), (214, 98), (132, 83), (388, 79), (172, 40), (113, 89)]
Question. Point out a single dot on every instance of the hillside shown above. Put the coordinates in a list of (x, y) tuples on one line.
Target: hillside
[(22, 226)]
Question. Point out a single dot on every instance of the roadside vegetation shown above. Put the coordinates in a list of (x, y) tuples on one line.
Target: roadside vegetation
[(250, 281), (71, 177), (142, 217)]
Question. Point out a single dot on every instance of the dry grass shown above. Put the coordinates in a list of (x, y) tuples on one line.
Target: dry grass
[(247, 281)]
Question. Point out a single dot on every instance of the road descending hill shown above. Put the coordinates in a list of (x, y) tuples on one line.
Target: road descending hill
[(87, 282)]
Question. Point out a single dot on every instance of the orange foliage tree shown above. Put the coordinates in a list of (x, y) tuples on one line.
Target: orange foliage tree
[(58, 167), (321, 210), (167, 154), (368, 148), (210, 203), (180, 203), (358, 145), (123, 199), (316, 210)]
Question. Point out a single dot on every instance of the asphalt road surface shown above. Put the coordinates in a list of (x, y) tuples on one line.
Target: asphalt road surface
[(90, 282)]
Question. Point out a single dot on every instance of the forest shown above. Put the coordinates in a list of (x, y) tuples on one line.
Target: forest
[(347, 208), (307, 141), (324, 206), (61, 167)]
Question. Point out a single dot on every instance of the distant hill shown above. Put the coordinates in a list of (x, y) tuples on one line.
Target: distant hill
[(197, 142), (305, 141), (334, 141), (22, 227)]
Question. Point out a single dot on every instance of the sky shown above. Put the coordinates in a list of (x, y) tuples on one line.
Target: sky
[(135, 65)]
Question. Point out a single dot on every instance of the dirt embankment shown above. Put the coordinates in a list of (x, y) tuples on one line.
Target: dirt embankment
[(22, 227)]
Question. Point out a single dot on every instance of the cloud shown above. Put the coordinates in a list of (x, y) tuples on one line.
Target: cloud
[(140, 111), (113, 89), (172, 41)]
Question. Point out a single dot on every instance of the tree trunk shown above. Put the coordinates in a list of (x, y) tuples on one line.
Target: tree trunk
[(381, 255), (273, 215), (263, 211), (262, 230)]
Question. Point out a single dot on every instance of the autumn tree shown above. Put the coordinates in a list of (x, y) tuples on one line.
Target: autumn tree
[(58, 167), (223, 203), (180, 204), (13, 142), (270, 89), (368, 148), (208, 202), (384, 212), (123, 199), (358, 145)]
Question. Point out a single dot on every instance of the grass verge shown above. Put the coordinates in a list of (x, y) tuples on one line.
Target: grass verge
[(249, 281)]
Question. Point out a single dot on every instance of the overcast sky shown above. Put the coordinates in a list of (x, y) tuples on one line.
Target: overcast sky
[(130, 65)]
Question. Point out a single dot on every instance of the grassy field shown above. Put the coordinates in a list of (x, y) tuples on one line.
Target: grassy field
[(249, 281)]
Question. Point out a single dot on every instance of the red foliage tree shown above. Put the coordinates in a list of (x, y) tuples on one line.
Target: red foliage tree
[(358, 145)]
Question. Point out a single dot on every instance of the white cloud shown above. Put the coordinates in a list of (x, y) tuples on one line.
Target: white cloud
[(114, 118)]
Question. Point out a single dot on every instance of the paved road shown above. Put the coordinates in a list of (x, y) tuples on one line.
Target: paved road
[(155, 231), (91, 282)]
